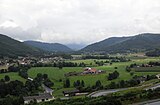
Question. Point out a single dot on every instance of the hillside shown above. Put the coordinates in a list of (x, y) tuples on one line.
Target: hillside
[(153, 53), (51, 47), (142, 42), (76, 46), (12, 47)]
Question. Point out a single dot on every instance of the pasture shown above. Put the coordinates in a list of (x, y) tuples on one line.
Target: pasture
[(147, 69), (56, 74), (13, 76)]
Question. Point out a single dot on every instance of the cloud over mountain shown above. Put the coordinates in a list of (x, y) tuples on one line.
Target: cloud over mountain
[(77, 21)]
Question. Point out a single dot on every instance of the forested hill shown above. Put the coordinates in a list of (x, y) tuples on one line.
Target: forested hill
[(52, 47), (12, 47), (141, 42)]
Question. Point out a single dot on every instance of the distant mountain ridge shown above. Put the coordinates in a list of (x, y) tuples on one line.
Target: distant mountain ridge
[(76, 47), (12, 47), (51, 47), (141, 42)]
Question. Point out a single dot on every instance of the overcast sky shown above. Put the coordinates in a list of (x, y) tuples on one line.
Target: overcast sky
[(77, 21)]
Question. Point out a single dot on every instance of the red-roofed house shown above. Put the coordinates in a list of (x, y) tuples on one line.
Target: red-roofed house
[(88, 70)]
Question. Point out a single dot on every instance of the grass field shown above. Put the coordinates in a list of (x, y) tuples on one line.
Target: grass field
[(147, 69), (55, 74), (13, 76)]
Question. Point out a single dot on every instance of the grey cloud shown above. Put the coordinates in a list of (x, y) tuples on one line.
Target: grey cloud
[(78, 21)]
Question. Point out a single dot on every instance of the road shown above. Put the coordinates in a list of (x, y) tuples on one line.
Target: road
[(154, 103), (105, 92), (150, 102), (153, 87)]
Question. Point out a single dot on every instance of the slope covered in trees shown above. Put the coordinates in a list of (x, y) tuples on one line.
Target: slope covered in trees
[(142, 42), (52, 47), (12, 47)]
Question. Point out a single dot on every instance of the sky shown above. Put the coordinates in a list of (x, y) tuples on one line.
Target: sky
[(77, 21)]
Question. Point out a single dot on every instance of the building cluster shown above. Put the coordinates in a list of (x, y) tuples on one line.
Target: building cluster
[(89, 70), (86, 71), (50, 59)]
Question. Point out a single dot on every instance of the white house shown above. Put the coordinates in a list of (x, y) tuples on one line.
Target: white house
[(40, 98)]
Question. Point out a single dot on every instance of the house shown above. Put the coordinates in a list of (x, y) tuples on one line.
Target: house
[(101, 71), (30, 79), (89, 70), (158, 76), (71, 92), (141, 79), (39, 98)]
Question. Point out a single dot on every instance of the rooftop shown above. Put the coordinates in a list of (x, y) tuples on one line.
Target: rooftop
[(39, 97)]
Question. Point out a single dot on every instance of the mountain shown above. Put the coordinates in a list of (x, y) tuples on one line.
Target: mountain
[(51, 47), (141, 42), (12, 47), (76, 46), (153, 53)]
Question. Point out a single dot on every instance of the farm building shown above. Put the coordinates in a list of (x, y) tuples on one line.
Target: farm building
[(158, 76), (71, 92), (88, 70), (40, 98)]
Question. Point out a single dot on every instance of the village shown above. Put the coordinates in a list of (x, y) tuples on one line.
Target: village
[(49, 67)]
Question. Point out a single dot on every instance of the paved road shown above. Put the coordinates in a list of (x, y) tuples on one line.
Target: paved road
[(149, 102), (105, 92), (153, 87), (154, 103)]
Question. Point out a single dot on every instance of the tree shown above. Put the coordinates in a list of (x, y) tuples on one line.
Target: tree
[(7, 78), (60, 65), (113, 75), (112, 85), (122, 83), (48, 83), (128, 69), (78, 83), (39, 77), (45, 76), (115, 67), (82, 83), (98, 83), (67, 83), (75, 84), (131, 73)]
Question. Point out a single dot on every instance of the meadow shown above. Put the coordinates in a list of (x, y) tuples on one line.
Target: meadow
[(13, 76), (56, 74), (147, 69)]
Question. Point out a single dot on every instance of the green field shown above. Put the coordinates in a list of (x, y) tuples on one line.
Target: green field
[(13, 76), (147, 69), (55, 74)]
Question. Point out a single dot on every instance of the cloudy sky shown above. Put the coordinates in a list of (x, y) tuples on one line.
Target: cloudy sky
[(77, 21)]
